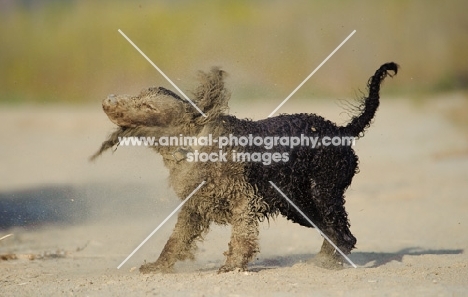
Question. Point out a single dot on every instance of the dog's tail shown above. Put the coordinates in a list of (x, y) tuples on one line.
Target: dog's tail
[(370, 104)]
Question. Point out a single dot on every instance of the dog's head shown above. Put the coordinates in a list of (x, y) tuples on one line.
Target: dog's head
[(159, 107), (158, 112), (152, 107)]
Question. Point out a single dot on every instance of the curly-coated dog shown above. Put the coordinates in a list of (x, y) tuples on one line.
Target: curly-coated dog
[(237, 189)]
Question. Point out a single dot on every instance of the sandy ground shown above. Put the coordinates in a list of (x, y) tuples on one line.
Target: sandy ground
[(73, 222)]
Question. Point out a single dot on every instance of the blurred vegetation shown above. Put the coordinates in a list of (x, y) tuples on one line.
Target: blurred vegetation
[(70, 51)]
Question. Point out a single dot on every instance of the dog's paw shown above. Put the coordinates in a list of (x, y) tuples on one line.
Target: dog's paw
[(327, 262), (228, 268), (155, 268)]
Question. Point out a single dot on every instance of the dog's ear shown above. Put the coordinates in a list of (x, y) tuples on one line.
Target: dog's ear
[(211, 96)]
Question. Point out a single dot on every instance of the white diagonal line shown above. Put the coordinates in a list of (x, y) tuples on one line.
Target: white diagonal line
[(160, 225), (162, 73), (312, 223), (6, 236), (313, 72)]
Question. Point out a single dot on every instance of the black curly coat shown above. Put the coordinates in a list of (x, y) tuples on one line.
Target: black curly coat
[(239, 193)]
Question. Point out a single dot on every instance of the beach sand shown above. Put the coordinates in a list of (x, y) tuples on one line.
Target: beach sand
[(73, 222)]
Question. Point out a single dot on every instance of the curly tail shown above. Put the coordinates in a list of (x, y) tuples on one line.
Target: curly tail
[(370, 104)]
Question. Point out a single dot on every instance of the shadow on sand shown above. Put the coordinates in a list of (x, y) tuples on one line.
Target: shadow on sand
[(372, 260), (35, 207), (361, 259), (67, 204)]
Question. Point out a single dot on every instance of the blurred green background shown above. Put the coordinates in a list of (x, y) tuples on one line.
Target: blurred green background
[(70, 51)]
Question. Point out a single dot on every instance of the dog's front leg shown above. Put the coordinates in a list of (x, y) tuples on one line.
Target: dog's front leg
[(181, 245), (244, 239)]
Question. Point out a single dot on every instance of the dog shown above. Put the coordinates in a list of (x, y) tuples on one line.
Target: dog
[(238, 178)]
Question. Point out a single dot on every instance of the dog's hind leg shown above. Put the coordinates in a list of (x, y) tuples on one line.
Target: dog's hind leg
[(336, 226), (181, 245), (244, 239)]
